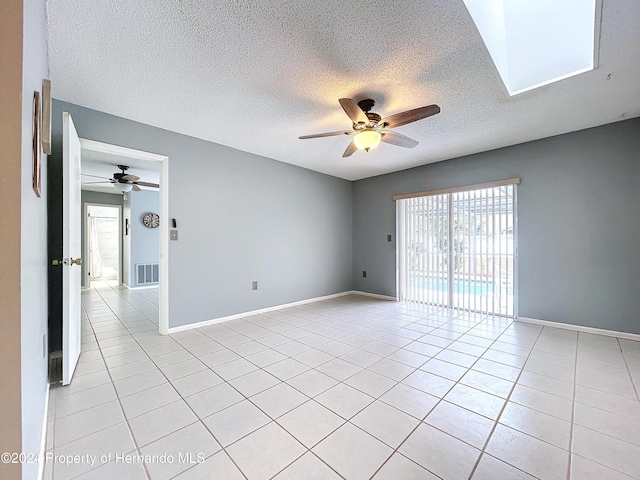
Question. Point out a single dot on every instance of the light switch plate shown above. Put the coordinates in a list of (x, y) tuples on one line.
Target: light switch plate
[(174, 234)]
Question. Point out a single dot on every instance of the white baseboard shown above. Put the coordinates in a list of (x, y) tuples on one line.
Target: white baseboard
[(374, 295), (43, 440), (228, 318), (146, 287), (580, 328), (213, 321)]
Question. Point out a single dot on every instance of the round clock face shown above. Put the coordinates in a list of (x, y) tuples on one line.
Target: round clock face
[(151, 220)]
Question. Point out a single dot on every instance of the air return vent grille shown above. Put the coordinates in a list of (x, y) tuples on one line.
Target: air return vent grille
[(147, 273)]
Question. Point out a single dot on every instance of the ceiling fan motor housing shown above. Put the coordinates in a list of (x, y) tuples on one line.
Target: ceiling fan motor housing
[(118, 176), (366, 105), (374, 117)]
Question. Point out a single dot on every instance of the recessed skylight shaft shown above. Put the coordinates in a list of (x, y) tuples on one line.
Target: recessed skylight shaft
[(537, 42)]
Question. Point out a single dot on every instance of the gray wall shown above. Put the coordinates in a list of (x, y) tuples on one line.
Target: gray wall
[(101, 199), (241, 217), (33, 243), (144, 241), (579, 222)]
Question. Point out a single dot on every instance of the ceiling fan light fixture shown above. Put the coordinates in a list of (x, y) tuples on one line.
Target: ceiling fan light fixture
[(369, 128), (123, 187), (367, 139)]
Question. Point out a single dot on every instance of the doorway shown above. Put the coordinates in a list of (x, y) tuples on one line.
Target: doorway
[(128, 156), (65, 220), (103, 234)]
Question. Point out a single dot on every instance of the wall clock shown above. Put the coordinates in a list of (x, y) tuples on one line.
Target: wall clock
[(151, 220)]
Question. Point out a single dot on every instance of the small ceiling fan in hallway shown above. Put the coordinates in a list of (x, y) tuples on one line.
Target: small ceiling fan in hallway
[(370, 128), (122, 181)]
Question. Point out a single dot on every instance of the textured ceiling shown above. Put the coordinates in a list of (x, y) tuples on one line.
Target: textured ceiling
[(255, 75)]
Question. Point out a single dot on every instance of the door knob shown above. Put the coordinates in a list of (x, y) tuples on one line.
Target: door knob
[(77, 261), (56, 262)]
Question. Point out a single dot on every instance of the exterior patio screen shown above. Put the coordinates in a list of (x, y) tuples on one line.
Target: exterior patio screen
[(457, 248)]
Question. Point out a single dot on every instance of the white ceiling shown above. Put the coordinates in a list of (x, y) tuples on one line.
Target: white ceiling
[(255, 75), (105, 165)]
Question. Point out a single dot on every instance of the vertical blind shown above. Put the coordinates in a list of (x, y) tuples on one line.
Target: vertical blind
[(457, 247)]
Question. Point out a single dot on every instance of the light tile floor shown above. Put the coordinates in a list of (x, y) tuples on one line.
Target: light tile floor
[(352, 388)]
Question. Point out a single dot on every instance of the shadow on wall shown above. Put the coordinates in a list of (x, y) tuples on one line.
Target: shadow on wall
[(54, 237)]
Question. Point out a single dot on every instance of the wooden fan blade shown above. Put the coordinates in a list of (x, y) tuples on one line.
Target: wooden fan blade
[(395, 138), (147, 184), (328, 134), (351, 148), (354, 112), (409, 116), (130, 178), (136, 188), (96, 176)]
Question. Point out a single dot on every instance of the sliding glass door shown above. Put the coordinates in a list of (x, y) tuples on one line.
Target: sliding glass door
[(457, 249), (423, 224)]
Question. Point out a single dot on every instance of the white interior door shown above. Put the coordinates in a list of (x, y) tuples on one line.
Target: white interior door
[(71, 270)]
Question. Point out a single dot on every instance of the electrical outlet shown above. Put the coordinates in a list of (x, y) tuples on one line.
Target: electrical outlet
[(254, 285), (364, 274), (388, 238)]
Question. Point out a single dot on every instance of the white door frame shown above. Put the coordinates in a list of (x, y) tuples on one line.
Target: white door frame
[(85, 280), (107, 148)]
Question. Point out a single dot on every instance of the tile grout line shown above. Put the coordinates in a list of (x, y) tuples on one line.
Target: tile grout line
[(589, 428), (126, 420), (309, 449), (573, 407), (635, 387), (496, 339), (198, 420), (368, 323), (274, 420), (497, 420), (223, 448), (394, 450), (440, 400), (363, 368), (84, 436)]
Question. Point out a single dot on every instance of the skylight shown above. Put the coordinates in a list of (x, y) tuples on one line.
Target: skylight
[(537, 42)]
